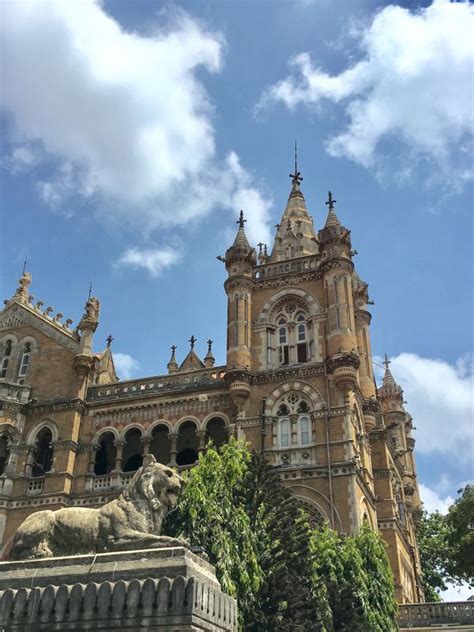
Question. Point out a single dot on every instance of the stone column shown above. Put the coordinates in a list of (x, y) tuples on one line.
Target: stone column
[(173, 448), (146, 445), (119, 444), (92, 456), (30, 461), (202, 440)]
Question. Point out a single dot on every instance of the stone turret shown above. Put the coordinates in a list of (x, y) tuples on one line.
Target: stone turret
[(172, 365), (240, 260), (337, 268), (209, 360)]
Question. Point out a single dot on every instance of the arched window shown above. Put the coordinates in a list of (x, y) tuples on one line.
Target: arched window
[(43, 452), (25, 360), (301, 339), (305, 430), (187, 444), (160, 445), (132, 450), (216, 432), (284, 435), (106, 454), (6, 358), (283, 346), (4, 453)]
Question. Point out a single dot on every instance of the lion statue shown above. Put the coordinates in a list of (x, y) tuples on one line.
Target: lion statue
[(131, 521)]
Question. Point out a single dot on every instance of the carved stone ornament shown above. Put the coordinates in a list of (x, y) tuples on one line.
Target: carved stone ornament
[(131, 521)]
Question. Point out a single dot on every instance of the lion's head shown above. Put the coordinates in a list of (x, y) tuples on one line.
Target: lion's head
[(159, 484)]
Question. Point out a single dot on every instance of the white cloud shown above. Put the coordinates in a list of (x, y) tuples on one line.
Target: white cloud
[(120, 118), (154, 260), (440, 397), (125, 365), (414, 83), (433, 501)]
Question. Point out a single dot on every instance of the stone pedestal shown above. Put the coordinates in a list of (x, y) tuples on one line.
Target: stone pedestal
[(169, 589)]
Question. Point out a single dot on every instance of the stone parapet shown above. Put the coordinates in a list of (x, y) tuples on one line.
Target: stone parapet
[(171, 590), (457, 615)]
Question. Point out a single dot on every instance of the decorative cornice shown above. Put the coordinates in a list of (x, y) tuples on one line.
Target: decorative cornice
[(56, 406)]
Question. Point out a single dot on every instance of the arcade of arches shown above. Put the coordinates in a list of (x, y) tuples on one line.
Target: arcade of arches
[(175, 449)]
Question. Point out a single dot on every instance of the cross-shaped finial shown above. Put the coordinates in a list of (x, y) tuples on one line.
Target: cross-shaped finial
[(386, 361), (260, 246), (241, 221), (173, 348), (209, 344), (277, 226), (330, 203), (192, 341), (24, 265), (109, 340)]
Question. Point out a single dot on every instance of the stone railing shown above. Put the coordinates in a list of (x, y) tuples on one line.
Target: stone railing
[(203, 378), (35, 486), (424, 615), (281, 268), (164, 604)]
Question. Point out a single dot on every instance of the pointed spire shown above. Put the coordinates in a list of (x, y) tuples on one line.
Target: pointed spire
[(192, 360), (172, 365), (388, 377), (296, 178), (241, 238), (332, 219), (209, 360)]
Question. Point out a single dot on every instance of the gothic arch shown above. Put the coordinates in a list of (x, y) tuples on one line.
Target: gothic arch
[(319, 500), (183, 420), (314, 510), (286, 294), (294, 385), (213, 416), (102, 431), (159, 422), (131, 427), (46, 423)]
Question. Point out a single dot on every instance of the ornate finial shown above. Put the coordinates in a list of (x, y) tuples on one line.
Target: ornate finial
[(209, 345), (24, 265), (296, 176), (260, 246), (386, 361), (277, 226), (330, 203), (173, 349), (192, 341), (265, 251), (241, 221), (109, 340), (90, 292)]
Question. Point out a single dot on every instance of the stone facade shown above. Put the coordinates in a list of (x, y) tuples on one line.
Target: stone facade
[(298, 383)]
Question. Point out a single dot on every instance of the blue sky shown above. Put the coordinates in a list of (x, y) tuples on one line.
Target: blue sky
[(135, 131)]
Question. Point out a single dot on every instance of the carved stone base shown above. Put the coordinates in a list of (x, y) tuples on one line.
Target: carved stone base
[(170, 590)]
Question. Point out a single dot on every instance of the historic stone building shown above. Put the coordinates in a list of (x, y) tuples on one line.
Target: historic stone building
[(298, 383)]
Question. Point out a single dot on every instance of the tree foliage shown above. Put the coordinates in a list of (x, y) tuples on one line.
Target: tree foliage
[(446, 545), (460, 535), (284, 575)]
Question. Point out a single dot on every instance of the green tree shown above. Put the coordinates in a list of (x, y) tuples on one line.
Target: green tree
[(432, 538), (358, 580), (284, 575), (460, 536)]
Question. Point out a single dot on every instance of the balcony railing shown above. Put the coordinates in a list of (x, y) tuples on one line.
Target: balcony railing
[(280, 268), (204, 378), (421, 615), (35, 486)]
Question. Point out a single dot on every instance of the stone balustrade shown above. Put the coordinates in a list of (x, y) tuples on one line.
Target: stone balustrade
[(273, 270), (425, 615), (162, 604), (208, 378)]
